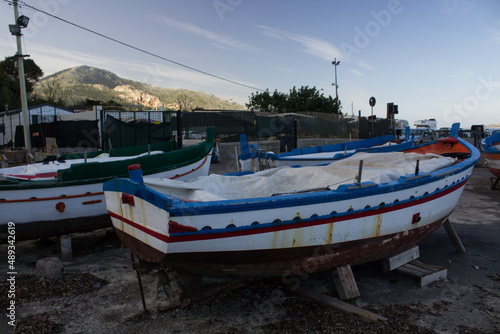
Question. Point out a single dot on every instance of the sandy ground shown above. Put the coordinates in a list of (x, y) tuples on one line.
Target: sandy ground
[(108, 300)]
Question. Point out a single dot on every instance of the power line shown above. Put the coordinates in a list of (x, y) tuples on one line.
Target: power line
[(134, 47)]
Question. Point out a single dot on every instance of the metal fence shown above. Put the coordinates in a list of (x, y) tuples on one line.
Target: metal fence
[(120, 129)]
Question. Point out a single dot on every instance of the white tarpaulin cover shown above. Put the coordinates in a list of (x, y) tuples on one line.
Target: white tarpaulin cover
[(377, 167), (54, 166)]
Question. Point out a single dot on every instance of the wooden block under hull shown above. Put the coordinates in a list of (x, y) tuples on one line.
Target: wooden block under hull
[(425, 273), (400, 259), (345, 283)]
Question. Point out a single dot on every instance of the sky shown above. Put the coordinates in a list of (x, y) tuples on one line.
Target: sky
[(434, 59)]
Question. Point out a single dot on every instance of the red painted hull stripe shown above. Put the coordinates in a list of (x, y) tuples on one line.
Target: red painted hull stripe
[(192, 170), (195, 236), (50, 198), (35, 176), (157, 235)]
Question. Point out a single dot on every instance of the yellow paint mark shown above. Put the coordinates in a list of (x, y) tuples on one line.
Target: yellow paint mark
[(378, 225), (298, 237), (144, 221), (329, 233), (274, 243)]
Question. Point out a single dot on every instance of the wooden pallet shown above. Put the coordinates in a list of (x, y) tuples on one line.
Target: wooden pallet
[(425, 273), (405, 262)]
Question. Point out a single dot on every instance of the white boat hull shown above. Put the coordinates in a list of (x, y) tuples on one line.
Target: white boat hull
[(395, 219), (38, 212)]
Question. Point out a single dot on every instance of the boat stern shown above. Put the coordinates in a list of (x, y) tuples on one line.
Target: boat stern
[(139, 215)]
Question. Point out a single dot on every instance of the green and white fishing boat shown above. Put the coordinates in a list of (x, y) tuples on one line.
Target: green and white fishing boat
[(65, 195)]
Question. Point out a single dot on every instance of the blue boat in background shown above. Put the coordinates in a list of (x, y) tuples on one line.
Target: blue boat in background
[(252, 158)]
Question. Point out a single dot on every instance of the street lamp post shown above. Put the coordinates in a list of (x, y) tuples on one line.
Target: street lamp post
[(336, 62), (15, 29)]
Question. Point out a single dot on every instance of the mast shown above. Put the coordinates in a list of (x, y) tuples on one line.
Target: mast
[(22, 83)]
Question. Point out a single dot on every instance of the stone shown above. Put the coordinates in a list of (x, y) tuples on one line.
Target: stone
[(50, 267)]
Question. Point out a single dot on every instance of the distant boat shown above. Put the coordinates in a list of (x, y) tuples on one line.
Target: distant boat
[(287, 221), (65, 195), (491, 149), (251, 157)]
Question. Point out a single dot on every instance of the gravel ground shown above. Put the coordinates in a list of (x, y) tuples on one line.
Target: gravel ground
[(98, 292)]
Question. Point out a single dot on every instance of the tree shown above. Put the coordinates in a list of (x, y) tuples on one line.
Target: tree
[(302, 99), (185, 102), (10, 92), (52, 91)]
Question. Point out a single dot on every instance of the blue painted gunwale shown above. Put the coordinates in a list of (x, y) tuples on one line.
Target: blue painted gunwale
[(339, 156), (488, 142), (177, 207), (358, 145)]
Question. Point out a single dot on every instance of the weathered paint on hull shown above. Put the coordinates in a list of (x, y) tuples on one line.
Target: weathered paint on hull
[(318, 244), (47, 229), (285, 262), (493, 163), (290, 234), (53, 211)]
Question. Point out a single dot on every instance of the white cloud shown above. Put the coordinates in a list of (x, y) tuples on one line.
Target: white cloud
[(460, 6), (271, 32), (494, 37), (356, 72), (218, 39), (361, 63), (317, 47), (312, 45)]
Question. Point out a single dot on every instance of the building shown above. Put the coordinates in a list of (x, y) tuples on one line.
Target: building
[(45, 113)]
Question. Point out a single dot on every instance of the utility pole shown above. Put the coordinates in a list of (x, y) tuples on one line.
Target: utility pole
[(335, 63), (22, 22)]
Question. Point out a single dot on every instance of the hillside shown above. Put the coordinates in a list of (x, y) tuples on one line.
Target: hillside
[(74, 85)]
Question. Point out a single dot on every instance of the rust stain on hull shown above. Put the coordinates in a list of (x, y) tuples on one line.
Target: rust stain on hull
[(276, 262), (378, 225)]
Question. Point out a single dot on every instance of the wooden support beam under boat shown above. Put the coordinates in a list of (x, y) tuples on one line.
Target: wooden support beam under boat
[(455, 239), (345, 283), (494, 182), (338, 304), (135, 266)]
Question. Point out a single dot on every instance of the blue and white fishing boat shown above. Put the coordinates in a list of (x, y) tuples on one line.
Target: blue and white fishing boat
[(491, 149), (280, 221), (253, 159)]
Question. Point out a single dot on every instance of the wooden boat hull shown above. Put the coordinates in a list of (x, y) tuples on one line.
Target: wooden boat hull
[(491, 149), (71, 204), (322, 158), (46, 212), (289, 234), (311, 156), (493, 163)]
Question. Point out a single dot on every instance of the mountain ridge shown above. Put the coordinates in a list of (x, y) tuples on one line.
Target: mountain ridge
[(73, 86)]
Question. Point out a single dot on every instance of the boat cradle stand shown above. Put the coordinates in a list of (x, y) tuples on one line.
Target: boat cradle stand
[(494, 182), (179, 289), (405, 262), (64, 248)]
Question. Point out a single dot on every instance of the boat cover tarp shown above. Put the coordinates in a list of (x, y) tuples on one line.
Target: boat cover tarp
[(377, 167), (54, 166)]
